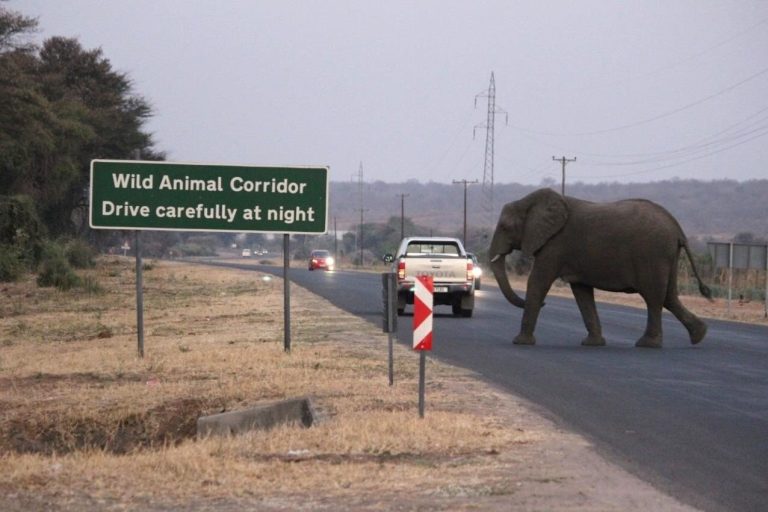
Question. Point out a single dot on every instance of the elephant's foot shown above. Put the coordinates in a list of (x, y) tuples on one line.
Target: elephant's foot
[(649, 342), (593, 340), (697, 331), (524, 339)]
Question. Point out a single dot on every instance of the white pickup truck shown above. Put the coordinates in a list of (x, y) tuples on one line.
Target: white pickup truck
[(446, 261)]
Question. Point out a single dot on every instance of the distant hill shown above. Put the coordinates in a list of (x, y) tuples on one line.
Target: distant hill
[(719, 209)]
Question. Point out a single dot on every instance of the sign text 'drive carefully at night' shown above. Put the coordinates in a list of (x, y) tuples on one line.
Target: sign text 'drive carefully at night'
[(129, 194)]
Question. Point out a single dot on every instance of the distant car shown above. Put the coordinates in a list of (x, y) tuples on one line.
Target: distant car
[(246, 253), (476, 270), (321, 259)]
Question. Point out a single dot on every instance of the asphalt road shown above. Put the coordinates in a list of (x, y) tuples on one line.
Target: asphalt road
[(691, 420)]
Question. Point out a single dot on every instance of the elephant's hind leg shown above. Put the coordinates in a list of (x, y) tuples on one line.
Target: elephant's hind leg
[(652, 337), (696, 328), (653, 284), (585, 298)]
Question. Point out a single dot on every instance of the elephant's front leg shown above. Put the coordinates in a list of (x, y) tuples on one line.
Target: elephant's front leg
[(539, 283), (585, 298)]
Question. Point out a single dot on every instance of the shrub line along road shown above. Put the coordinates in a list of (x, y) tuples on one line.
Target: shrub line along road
[(692, 421)]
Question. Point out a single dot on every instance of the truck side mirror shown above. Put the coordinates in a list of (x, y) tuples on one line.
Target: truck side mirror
[(388, 258)]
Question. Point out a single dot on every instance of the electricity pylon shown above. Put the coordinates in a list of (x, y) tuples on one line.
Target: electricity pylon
[(489, 126)]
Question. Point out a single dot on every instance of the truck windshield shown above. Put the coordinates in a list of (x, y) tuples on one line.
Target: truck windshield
[(429, 249)]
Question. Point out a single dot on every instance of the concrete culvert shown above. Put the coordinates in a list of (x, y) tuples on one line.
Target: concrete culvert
[(261, 417)]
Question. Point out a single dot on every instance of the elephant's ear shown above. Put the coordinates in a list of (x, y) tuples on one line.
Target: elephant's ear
[(545, 218)]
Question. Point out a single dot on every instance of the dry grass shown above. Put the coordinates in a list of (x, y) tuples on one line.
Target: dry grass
[(83, 420)]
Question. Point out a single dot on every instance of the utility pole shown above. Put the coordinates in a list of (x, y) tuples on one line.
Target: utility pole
[(563, 161), (402, 214), (360, 191), (465, 183), (335, 243)]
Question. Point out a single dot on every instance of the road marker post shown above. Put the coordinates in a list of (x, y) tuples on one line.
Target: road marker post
[(389, 325), (423, 301)]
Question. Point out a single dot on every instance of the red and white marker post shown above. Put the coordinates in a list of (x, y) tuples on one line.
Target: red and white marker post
[(423, 293)]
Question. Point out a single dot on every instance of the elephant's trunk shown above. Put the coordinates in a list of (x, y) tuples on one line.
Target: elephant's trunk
[(498, 266)]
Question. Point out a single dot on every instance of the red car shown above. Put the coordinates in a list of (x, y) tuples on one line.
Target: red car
[(321, 259)]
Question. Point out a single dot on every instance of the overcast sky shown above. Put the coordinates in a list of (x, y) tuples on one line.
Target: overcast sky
[(635, 90)]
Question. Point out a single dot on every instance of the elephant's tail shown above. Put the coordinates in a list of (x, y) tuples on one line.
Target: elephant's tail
[(704, 289)]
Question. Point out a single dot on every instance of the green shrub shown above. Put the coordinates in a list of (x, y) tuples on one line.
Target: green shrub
[(193, 249), (55, 269), (21, 228), (80, 254), (12, 266)]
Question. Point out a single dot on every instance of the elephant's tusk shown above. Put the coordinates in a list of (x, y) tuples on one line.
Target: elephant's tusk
[(495, 258)]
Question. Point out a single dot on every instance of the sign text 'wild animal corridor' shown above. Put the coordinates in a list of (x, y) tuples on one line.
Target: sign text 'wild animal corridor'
[(130, 194)]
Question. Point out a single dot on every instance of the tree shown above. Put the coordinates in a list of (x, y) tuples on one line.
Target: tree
[(478, 240), (14, 31), (31, 163), (380, 238), (59, 109), (744, 237)]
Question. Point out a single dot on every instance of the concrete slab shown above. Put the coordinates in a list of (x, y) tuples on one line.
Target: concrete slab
[(261, 417)]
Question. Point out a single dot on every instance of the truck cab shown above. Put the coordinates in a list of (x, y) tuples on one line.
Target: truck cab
[(446, 261)]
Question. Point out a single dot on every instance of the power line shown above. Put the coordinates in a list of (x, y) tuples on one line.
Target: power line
[(654, 118), (648, 171), (685, 152), (707, 49), (741, 138), (681, 61), (698, 143), (466, 122), (740, 129)]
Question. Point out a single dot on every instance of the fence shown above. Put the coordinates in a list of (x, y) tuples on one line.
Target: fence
[(742, 268)]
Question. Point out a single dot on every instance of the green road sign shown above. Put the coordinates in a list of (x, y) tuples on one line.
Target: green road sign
[(130, 194)]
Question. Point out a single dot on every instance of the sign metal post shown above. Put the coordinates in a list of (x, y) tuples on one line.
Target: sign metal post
[(286, 293), (139, 295)]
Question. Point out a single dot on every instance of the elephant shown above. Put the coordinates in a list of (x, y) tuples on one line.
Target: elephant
[(629, 246)]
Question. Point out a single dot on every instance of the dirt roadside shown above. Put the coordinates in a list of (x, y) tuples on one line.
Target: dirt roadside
[(560, 471)]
